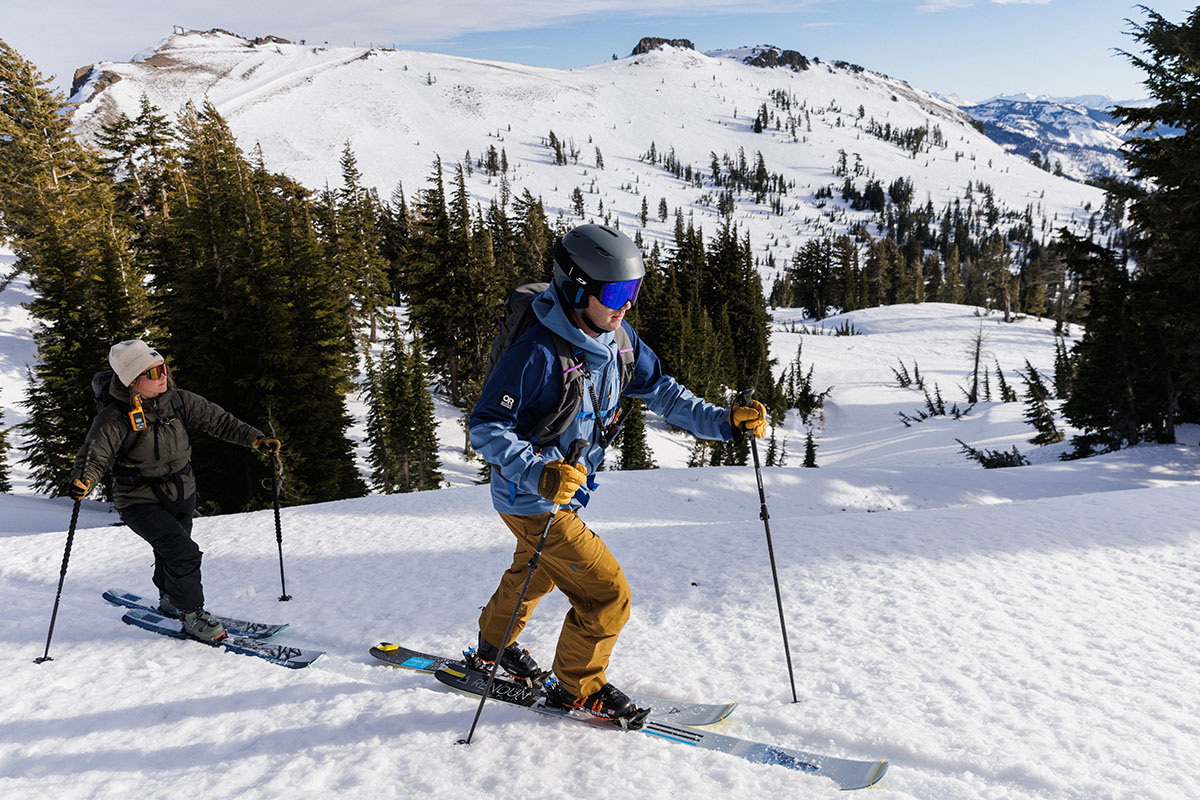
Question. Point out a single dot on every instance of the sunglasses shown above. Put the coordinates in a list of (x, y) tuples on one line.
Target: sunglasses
[(154, 373)]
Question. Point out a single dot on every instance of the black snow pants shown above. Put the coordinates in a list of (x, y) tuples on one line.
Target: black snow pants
[(176, 557)]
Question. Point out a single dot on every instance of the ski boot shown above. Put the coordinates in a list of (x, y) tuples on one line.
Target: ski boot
[(515, 660), (166, 606), (202, 625), (608, 702)]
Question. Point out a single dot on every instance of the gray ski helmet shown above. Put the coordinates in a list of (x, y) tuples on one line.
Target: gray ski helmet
[(600, 261)]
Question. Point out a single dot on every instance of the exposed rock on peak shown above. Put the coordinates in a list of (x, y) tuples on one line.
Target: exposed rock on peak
[(774, 57), (649, 43)]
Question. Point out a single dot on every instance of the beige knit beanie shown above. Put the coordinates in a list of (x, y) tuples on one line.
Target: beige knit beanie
[(131, 358)]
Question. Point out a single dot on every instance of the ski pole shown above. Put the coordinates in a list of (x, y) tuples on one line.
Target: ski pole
[(764, 515), (62, 575), (574, 453), (275, 468)]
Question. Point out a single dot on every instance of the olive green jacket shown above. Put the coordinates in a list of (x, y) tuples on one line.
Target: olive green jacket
[(162, 450)]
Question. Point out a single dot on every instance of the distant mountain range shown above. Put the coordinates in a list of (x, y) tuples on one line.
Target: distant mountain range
[(1078, 136)]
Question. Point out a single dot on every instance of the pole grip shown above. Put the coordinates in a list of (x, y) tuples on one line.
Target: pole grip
[(575, 451)]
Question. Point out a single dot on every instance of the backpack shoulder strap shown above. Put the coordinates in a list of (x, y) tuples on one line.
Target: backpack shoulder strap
[(625, 357), (570, 400)]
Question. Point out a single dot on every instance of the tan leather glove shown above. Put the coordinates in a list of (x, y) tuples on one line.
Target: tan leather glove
[(269, 446), (78, 488), (752, 418), (560, 481)]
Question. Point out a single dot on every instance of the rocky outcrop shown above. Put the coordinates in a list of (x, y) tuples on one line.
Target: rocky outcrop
[(649, 43), (84, 74), (772, 57), (81, 77)]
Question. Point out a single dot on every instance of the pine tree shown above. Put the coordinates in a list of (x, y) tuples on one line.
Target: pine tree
[(1064, 369), (735, 289), (635, 452), (1105, 401), (5, 482), (1007, 393), (359, 244), (258, 321), (1164, 295), (423, 458), (810, 450), (395, 229), (58, 209), (952, 291), (1037, 408), (379, 454)]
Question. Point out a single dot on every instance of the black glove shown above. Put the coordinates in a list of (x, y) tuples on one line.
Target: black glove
[(78, 488), (269, 446)]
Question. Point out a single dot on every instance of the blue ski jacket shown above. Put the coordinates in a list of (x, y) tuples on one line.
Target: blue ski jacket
[(524, 387)]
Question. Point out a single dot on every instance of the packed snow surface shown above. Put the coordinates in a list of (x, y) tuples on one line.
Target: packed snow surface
[(1012, 633)]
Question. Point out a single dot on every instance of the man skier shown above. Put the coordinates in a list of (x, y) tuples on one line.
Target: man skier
[(597, 273)]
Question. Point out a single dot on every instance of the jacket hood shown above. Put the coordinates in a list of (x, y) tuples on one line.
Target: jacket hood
[(551, 313)]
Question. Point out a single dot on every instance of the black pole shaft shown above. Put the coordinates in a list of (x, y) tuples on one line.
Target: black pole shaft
[(62, 576), (574, 453), (766, 516), (762, 497), (284, 597)]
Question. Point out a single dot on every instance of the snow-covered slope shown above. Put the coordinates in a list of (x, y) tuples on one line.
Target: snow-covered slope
[(1020, 633), (399, 109)]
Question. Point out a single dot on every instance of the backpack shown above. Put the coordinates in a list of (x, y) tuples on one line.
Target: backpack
[(105, 400), (520, 317)]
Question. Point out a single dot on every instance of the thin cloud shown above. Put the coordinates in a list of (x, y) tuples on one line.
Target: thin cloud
[(942, 5), (933, 6)]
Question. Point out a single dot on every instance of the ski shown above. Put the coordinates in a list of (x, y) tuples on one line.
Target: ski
[(234, 627), (291, 657), (682, 713), (845, 772)]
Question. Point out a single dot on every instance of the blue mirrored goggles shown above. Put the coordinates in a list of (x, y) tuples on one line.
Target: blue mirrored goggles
[(616, 294)]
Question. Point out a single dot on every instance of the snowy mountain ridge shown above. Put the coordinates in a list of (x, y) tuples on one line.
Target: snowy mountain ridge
[(400, 109)]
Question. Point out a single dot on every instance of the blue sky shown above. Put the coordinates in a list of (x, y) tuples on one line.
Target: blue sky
[(973, 48)]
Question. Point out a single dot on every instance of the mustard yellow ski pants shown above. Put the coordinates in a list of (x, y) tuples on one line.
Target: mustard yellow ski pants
[(578, 562)]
